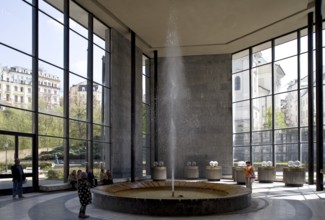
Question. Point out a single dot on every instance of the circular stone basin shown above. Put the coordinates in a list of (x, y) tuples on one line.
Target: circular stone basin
[(155, 198)]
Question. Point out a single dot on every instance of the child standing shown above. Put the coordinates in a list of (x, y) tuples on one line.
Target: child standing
[(249, 174), (84, 194)]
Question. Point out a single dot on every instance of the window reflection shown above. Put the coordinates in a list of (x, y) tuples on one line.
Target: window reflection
[(50, 81), (19, 35), (50, 40), (17, 90), (78, 54), (78, 97), (277, 96)]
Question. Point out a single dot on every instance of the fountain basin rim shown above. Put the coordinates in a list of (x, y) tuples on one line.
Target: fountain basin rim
[(240, 198), (230, 190)]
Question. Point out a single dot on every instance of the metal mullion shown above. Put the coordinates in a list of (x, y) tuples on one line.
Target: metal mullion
[(250, 105), (319, 96), (90, 97), (16, 108), (155, 107), (133, 103), (273, 102), (110, 100), (310, 100), (66, 63), (35, 40), (298, 85)]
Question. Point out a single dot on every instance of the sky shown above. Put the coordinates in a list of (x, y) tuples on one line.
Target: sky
[(15, 22)]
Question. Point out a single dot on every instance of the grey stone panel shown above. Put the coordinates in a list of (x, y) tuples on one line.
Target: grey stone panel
[(203, 113)]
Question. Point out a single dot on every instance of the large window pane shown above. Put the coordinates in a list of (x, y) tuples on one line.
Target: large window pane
[(240, 61), (146, 155), (97, 103), (285, 153), (286, 136), (305, 155), (241, 117), (106, 117), (16, 120), (50, 40), (286, 110), (16, 23), (262, 54), (262, 153), (100, 150), (51, 149), (285, 75), (16, 78), (78, 19), (261, 81), (262, 113), (78, 97), (304, 107), (285, 46), (78, 54), (78, 154), (304, 134), (50, 81), (304, 70), (51, 158), (304, 41), (145, 116), (50, 125), (78, 129), (240, 82), (241, 153), (145, 89), (101, 133), (262, 138), (7, 152), (52, 10), (99, 58), (101, 34), (241, 139)]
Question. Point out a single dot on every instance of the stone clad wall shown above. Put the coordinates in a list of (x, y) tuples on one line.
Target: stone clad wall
[(204, 113), (203, 116), (121, 107)]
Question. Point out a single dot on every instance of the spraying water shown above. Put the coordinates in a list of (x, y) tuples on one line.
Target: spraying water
[(174, 71)]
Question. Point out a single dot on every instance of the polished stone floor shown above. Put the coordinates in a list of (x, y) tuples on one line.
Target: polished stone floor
[(269, 201)]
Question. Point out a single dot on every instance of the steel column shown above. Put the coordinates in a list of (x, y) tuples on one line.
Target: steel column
[(319, 96), (310, 100), (35, 40), (133, 105), (66, 88), (155, 94)]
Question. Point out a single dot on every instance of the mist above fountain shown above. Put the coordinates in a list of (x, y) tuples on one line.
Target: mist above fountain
[(173, 90)]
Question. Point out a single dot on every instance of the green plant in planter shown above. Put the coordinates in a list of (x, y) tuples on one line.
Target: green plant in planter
[(54, 174)]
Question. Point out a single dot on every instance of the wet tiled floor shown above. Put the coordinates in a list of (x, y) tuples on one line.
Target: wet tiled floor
[(269, 201)]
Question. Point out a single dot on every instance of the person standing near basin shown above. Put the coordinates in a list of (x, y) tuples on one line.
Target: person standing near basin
[(249, 174), (18, 178), (84, 194)]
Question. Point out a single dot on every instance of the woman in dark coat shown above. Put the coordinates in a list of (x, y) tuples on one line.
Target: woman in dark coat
[(84, 194)]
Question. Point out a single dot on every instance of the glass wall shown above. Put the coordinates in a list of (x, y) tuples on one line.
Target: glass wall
[(73, 105), (146, 115), (270, 101)]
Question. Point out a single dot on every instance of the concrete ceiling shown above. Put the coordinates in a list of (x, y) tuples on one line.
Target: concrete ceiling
[(202, 26)]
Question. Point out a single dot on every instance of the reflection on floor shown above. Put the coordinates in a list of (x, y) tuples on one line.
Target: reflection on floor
[(269, 201)]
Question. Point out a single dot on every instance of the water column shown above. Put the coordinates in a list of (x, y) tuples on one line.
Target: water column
[(174, 69)]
